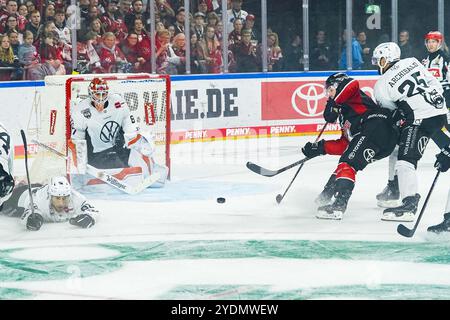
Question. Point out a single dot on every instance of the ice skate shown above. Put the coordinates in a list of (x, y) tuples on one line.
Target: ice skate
[(404, 213), (390, 196), (444, 226)]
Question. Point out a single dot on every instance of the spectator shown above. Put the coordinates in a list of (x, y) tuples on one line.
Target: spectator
[(14, 41), (235, 12), (171, 30), (23, 12), (366, 51), (110, 54), (199, 24), (159, 26), (97, 27), (162, 43), (177, 55), (34, 25), (357, 60), (11, 10), (247, 54), (124, 8), (9, 60), (212, 19), (111, 23), (405, 45), (49, 14), (165, 12), (137, 11), (203, 7), (211, 51), (219, 31), (130, 50), (11, 24), (234, 38), (197, 58), (275, 55), (179, 21), (143, 46), (321, 53), (249, 24), (30, 6), (60, 24), (27, 51), (88, 59), (293, 54)]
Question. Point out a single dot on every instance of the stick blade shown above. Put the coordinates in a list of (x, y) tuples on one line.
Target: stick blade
[(404, 231), (260, 170)]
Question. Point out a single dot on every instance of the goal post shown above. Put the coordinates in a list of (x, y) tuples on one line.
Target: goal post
[(147, 96)]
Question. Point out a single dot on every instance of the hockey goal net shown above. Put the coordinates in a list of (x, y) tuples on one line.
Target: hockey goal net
[(147, 95)]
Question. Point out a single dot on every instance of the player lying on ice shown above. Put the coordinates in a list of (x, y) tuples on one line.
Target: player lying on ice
[(54, 202), (105, 122), (368, 134)]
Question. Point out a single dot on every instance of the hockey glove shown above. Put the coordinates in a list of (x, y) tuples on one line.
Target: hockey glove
[(443, 160), (34, 221), (331, 112), (82, 220), (315, 149)]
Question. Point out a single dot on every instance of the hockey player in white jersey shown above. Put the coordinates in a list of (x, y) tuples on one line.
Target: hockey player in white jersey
[(443, 164), (6, 166), (54, 202), (416, 99), (104, 120)]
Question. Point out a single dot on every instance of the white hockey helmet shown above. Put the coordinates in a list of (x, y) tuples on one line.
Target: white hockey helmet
[(59, 187), (98, 90), (390, 51)]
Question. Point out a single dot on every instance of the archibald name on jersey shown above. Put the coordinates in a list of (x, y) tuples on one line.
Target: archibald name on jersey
[(402, 73)]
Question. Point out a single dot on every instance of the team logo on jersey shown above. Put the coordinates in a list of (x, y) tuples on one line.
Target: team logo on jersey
[(117, 105), (435, 72), (109, 131), (369, 155), (86, 113), (422, 144), (311, 93)]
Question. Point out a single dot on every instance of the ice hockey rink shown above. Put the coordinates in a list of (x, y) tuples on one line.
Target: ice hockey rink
[(179, 243)]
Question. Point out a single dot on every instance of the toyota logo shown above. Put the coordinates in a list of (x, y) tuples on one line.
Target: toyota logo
[(368, 155), (311, 93)]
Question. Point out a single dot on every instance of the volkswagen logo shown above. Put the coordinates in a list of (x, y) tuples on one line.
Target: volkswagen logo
[(305, 99), (422, 144), (109, 131)]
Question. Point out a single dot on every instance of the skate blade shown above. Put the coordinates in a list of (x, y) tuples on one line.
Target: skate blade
[(389, 203), (338, 215), (405, 217)]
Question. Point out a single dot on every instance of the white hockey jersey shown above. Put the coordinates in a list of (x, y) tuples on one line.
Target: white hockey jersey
[(409, 83), (6, 155), (77, 205), (438, 63), (102, 127)]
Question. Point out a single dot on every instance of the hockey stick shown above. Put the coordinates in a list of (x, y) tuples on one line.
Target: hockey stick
[(404, 231), (270, 173), (280, 197), (24, 139), (108, 178)]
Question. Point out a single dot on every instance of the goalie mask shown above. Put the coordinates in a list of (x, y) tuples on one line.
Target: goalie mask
[(385, 54), (98, 90), (59, 190)]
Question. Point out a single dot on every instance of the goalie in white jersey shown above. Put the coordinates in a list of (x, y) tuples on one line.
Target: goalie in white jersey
[(54, 202), (416, 99), (104, 120)]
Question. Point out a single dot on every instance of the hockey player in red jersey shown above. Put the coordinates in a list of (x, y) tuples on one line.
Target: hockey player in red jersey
[(368, 134)]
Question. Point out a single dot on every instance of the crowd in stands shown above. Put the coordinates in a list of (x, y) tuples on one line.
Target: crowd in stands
[(114, 36)]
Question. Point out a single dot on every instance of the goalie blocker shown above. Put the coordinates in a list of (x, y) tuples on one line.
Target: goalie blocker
[(103, 136)]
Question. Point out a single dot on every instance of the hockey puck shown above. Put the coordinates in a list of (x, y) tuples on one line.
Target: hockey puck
[(220, 200)]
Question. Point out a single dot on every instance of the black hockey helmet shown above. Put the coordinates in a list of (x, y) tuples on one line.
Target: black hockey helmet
[(335, 79)]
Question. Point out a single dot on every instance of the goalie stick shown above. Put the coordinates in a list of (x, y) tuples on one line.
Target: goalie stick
[(108, 178)]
